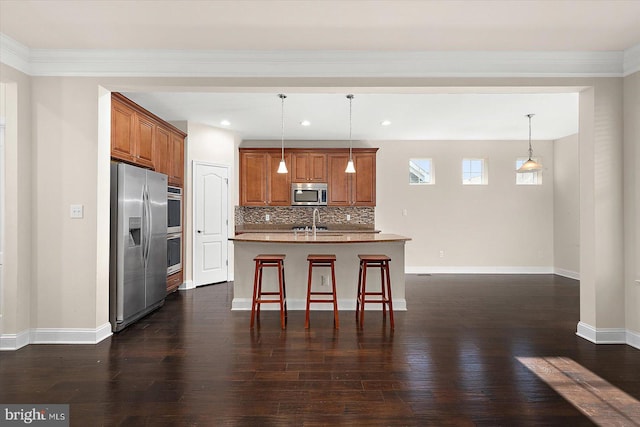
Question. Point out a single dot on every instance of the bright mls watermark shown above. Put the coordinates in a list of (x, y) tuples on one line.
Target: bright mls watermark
[(34, 414)]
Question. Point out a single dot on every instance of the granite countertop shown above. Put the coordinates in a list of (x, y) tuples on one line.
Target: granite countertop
[(324, 237)]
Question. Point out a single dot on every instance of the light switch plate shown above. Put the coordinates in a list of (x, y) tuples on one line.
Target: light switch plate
[(77, 211)]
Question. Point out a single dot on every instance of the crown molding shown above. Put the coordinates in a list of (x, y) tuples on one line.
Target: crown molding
[(632, 60), (194, 63)]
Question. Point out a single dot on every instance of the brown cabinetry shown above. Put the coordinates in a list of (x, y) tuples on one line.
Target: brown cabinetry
[(141, 138), (260, 184), (308, 167), (352, 189)]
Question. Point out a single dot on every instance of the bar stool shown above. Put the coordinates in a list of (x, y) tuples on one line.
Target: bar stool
[(384, 296), (322, 261), (262, 261)]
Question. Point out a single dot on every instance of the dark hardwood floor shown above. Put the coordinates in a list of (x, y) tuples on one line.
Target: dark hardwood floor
[(451, 361)]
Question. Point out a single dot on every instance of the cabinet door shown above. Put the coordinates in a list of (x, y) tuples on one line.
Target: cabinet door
[(253, 179), (363, 184), (299, 167), (279, 184), (144, 140), (309, 167), (339, 181), (317, 171), (161, 155), (122, 131), (176, 159)]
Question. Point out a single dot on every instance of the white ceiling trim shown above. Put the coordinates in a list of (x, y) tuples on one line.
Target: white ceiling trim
[(632, 60), (181, 63)]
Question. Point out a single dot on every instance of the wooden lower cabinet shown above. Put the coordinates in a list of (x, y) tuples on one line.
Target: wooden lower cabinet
[(174, 281)]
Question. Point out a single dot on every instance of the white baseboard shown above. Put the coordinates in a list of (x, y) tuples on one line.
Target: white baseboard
[(187, 285), (567, 273), (70, 335), (14, 341), (244, 304), (478, 270), (55, 336), (633, 339), (602, 335)]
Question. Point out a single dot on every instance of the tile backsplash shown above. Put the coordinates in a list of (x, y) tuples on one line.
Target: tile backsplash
[(286, 216)]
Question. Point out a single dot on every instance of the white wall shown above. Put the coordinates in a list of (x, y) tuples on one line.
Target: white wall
[(632, 204), (215, 146), (566, 207), (499, 227)]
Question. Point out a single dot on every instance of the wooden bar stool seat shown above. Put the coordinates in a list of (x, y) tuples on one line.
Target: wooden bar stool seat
[(262, 261), (324, 260), (383, 296)]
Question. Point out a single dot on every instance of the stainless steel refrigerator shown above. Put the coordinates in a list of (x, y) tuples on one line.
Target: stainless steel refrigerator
[(138, 269)]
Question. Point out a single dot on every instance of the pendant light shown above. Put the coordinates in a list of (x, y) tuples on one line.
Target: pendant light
[(282, 168), (530, 165), (350, 167)]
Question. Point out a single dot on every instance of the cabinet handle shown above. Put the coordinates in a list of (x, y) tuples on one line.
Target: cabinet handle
[(199, 231)]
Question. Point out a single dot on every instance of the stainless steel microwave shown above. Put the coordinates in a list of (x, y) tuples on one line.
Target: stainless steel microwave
[(308, 194)]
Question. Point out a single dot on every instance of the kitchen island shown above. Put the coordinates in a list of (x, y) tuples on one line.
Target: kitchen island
[(296, 246)]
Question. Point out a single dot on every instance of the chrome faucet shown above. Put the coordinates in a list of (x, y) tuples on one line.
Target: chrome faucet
[(315, 211)]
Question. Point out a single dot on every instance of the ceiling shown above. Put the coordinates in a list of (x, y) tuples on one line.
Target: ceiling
[(343, 25), (538, 25), (418, 116)]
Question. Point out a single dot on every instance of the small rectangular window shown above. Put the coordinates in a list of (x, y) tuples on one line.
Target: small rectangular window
[(474, 172), (527, 178), (421, 171)]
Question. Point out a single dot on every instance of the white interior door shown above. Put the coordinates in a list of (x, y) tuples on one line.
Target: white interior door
[(211, 224)]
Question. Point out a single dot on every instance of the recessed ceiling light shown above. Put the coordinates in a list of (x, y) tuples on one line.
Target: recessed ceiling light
[(305, 123), (225, 123), (385, 123)]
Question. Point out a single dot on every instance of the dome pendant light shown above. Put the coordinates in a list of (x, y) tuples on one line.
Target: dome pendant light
[(530, 165), (282, 168), (350, 166)]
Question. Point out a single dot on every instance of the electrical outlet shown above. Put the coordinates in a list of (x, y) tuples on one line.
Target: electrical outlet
[(267, 217), (348, 217), (404, 212), (77, 211), (441, 254)]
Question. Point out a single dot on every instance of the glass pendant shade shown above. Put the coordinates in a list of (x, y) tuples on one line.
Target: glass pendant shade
[(282, 167), (350, 167), (530, 165)]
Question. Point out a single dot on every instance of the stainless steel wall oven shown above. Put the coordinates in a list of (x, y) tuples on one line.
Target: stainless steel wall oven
[(174, 210)]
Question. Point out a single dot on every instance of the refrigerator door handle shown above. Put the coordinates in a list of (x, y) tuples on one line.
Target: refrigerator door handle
[(145, 225)]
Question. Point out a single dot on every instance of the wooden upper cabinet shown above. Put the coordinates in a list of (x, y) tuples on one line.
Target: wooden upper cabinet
[(145, 131), (278, 184), (253, 178), (143, 139), (339, 189), (309, 167), (352, 189), (122, 131), (161, 156), (261, 185), (363, 185), (176, 159)]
